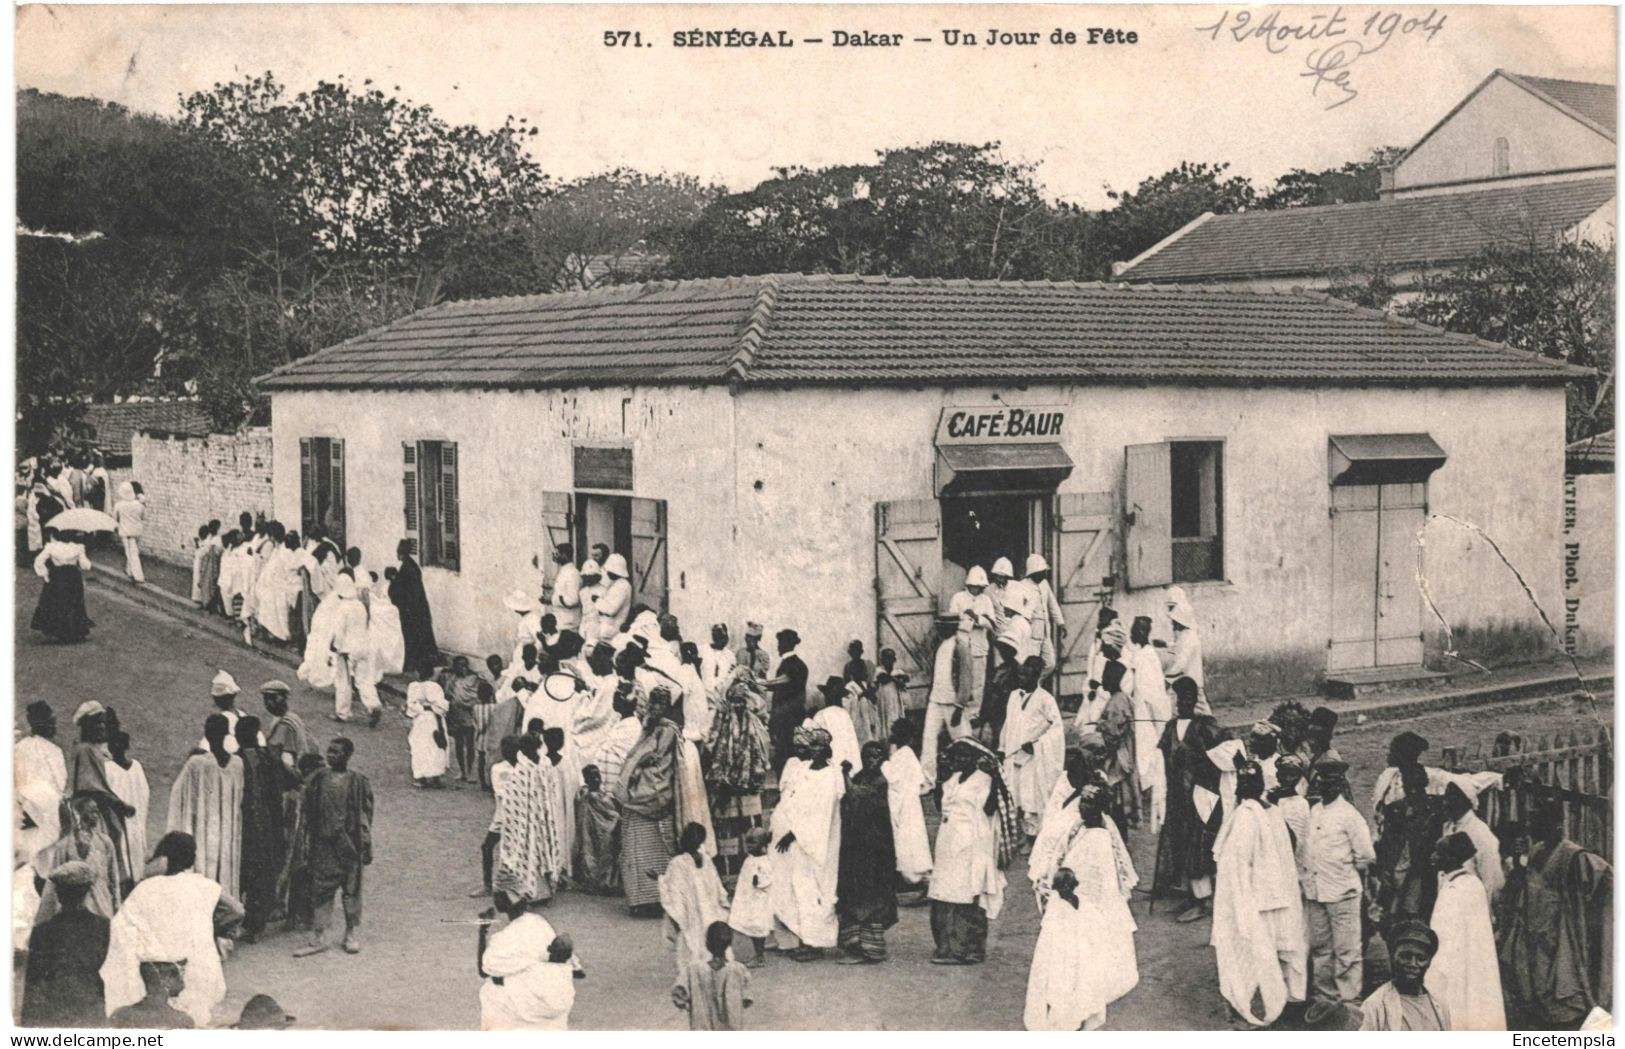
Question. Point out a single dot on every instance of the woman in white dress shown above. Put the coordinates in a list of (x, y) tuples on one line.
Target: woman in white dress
[(388, 644), (426, 708), (1084, 959), (905, 781)]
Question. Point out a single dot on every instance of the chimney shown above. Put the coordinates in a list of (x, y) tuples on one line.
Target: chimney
[(1385, 181), (1118, 268)]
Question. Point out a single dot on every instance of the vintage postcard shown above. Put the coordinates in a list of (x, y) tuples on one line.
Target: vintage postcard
[(660, 517)]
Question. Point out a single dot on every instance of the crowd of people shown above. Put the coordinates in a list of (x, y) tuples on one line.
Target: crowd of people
[(262, 833), (720, 790)]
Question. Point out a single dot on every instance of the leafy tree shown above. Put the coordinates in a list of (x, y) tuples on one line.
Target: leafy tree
[(1355, 181), (1554, 301), (1161, 205), (940, 210)]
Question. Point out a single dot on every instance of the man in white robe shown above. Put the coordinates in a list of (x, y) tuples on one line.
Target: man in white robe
[(905, 782), (1152, 709), (1033, 744), (536, 992), (37, 758), (806, 829), (566, 605), (833, 719), (1258, 924), (1465, 974)]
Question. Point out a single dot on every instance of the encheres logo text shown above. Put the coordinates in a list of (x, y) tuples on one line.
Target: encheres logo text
[(1011, 423)]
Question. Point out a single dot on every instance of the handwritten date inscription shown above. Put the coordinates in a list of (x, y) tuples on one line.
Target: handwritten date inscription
[(1330, 42)]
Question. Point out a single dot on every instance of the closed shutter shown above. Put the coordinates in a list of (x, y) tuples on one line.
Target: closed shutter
[(307, 486), (410, 483), (450, 537), (1082, 578), (558, 526), (1148, 515), (649, 553), (908, 562), (336, 496)]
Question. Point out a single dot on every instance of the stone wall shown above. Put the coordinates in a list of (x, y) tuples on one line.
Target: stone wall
[(190, 480)]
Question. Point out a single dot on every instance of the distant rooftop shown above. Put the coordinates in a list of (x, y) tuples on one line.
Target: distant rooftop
[(115, 424)]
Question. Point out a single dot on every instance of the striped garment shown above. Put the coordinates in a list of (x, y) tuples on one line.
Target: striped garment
[(646, 845)]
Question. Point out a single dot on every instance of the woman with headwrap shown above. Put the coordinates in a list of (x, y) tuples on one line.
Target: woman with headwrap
[(1465, 974), (866, 885), (1185, 651), (83, 838), (806, 849), (647, 793), (1084, 959), (1259, 938), (87, 778), (967, 879)]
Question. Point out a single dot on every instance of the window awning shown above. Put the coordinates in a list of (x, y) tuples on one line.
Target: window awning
[(964, 469), (1383, 458)]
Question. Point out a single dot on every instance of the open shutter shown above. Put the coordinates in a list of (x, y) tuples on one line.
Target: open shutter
[(450, 538), (307, 486), (1082, 578), (1148, 515), (336, 496), (908, 562), (558, 526), (410, 483), (649, 553)]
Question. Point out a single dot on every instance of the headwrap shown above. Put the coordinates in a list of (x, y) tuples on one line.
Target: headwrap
[(1264, 729), (1288, 766), (87, 709), (1183, 615), (275, 686), (758, 835), (223, 685), (1010, 835), (1115, 635), (73, 872), (1454, 851), (753, 629)]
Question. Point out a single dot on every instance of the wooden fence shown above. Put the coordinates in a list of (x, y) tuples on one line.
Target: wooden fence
[(1577, 770)]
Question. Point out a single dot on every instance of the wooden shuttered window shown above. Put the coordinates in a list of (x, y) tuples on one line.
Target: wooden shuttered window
[(321, 486), (430, 490)]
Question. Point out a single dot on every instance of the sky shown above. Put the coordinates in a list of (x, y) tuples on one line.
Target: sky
[(1210, 83)]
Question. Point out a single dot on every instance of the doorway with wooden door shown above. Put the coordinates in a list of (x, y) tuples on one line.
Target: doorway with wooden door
[(1376, 560)]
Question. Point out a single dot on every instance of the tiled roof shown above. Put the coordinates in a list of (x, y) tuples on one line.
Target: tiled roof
[(1593, 454), (115, 424), (796, 329), (1405, 233), (1597, 103)]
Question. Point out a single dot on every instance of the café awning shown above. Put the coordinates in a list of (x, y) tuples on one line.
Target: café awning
[(979, 469), (1383, 458)]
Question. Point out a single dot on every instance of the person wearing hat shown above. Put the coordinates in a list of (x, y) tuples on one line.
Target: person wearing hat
[(789, 690), (945, 705), (1185, 650), (1289, 801), (285, 731), (977, 619), (806, 850), (1465, 974), (1012, 597), (615, 602), (173, 914), (262, 1013), (529, 624), (62, 986), (1048, 619), (1011, 648), (1405, 1003), (1258, 931), (163, 980), (1318, 743), (1338, 851), (751, 654)]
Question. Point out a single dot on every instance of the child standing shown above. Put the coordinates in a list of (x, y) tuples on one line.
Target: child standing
[(462, 690), (713, 992), (426, 707), (752, 912)]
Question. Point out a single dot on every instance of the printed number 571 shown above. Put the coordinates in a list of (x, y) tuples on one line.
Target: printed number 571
[(622, 38)]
